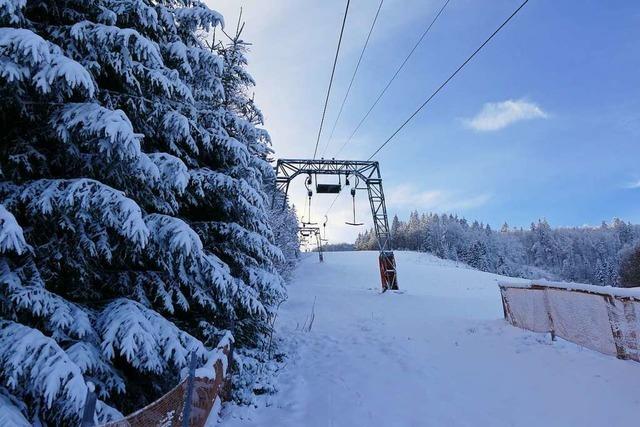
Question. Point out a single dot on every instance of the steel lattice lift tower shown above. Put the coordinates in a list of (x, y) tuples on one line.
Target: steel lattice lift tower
[(315, 232), (367, 172)]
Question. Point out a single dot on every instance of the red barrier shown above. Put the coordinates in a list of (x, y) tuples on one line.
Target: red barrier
[(388, 274)]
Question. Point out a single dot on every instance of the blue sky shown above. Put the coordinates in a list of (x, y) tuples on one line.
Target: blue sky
[(544, 122)]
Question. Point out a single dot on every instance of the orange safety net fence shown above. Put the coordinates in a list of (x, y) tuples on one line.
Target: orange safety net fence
[(207, 390)]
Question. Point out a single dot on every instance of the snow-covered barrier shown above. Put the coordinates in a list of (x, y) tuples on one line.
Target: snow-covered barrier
[(600, 318), (210, 386)]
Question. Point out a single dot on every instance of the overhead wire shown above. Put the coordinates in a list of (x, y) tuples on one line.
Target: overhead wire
[(381, 94), (447, 80), (333, 71), (353, 77), (332, 203), (441, 86), (327, 212), (397, 72)]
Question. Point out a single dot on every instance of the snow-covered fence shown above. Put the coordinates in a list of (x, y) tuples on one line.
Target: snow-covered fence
[(210, 386), (600, 318)]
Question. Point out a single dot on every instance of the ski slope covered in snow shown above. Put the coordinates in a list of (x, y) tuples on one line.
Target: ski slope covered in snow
[(437, 353)]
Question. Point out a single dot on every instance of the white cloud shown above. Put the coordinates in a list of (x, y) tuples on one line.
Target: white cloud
[(435, 200), (498, 115), (633, 185)]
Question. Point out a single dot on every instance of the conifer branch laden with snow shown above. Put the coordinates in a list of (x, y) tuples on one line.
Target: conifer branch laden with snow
[(134, 204)]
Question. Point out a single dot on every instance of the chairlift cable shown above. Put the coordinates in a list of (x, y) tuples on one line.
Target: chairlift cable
[(333, 71), (332, 203), (447, 80), (384, 90), (353, 77)]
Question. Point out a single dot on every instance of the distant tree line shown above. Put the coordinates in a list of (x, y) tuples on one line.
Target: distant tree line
[(605, 255), (338, 247)]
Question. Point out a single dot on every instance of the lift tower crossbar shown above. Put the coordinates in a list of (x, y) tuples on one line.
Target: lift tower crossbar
[(369, 173)]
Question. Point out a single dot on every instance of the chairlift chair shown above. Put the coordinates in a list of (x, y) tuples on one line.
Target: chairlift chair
[(328, 188), (307, 184), (324, 229), (353, 203)]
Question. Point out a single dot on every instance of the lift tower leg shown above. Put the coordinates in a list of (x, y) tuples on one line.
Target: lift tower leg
[(369, 173), (308, 231), (319, 244)]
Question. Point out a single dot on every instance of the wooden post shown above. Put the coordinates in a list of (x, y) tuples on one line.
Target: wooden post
[(503, 297), (614, 321), (547, 306), (632, 324)]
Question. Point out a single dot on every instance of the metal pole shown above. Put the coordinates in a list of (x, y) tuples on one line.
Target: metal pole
[(186, 413), (89, 406), (319, 243)]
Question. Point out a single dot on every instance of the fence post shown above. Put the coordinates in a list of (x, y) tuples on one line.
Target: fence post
[(547, 306), (616, 332), (633, 350), (504, 303), (89, 406), (225, 394), (186, 412)]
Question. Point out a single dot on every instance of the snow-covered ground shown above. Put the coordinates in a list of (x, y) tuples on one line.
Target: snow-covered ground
[(437, 353)]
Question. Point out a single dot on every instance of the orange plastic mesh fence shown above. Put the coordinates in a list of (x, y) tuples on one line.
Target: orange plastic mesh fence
[(168, 410), (602, 319)]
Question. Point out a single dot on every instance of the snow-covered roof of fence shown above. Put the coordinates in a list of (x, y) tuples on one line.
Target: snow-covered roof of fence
[(602, 290)]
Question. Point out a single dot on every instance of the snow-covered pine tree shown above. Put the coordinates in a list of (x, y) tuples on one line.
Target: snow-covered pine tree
[(395, 233), (630, 267), (259, 248), (242, 235), (118, 162), (284, 223)]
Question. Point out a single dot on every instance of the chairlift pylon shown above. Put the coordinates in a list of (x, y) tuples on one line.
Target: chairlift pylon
[(366, 171)]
